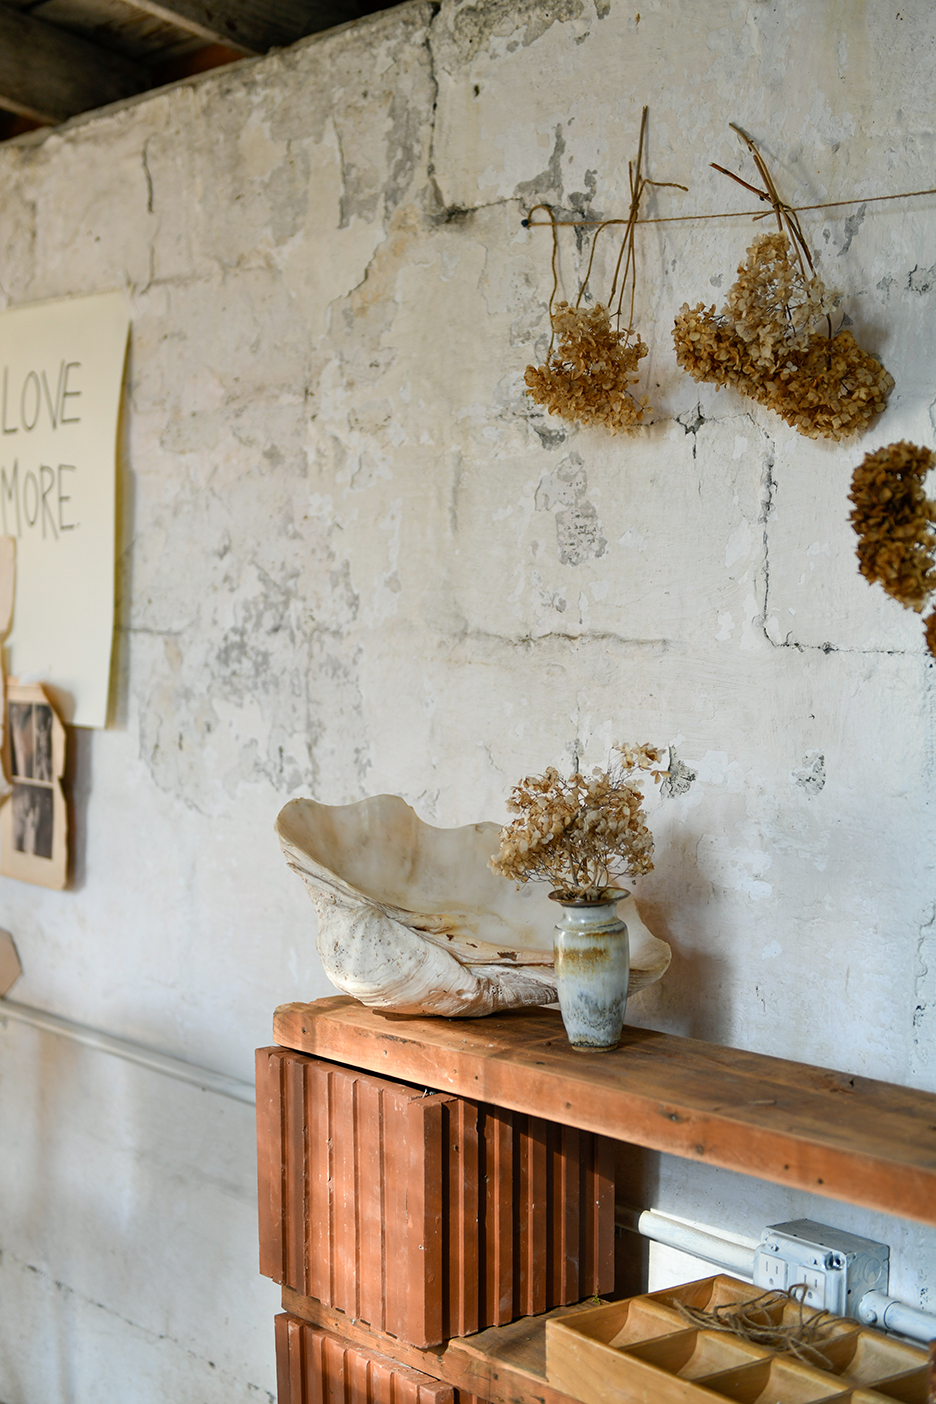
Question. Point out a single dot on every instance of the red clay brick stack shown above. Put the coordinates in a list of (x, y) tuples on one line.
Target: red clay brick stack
[(422, 1214)]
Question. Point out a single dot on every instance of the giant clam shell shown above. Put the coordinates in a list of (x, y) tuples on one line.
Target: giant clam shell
[(412, 919)]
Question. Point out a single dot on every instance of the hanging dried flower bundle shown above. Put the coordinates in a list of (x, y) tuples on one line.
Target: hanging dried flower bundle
[(582, 832), (587, 376), (894, 521), (772, 341)]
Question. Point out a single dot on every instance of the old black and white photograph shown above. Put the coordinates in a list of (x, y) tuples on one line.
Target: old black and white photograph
[(42, 742), (34, 822), (31, 741), (22, 738), (32, 819)]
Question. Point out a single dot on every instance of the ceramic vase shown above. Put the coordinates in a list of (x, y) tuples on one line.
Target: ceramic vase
[(592, 969)]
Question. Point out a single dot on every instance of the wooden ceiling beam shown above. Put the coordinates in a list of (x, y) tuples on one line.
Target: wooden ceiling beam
[(49, 75), (252, 26)]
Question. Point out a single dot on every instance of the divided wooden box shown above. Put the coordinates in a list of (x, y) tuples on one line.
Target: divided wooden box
[(423, 1214), (642, 1351)]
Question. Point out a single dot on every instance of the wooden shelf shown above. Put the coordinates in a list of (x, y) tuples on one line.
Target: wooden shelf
[(850, 1138)]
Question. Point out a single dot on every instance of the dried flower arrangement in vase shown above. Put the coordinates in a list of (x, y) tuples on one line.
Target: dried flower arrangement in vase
[(768, 341), (894, 521), (580, 833), (587, 377)]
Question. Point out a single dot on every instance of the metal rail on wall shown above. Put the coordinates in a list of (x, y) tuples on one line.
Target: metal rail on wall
[(163, 1063)]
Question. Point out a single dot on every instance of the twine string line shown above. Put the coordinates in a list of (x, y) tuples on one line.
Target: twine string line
[(529, 223), (755, 1321)]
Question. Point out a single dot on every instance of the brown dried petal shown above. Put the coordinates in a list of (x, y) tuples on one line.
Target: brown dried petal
[(587, 377), (764, 343), (893, 518)]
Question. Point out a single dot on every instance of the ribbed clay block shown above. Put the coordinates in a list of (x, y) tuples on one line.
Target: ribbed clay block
[(425, 1215), (316, 1367)]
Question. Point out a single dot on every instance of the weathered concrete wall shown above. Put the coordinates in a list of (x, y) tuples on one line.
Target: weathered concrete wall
[(356, 558)]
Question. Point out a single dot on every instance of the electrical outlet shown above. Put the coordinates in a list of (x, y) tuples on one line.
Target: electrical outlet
[(836, 1268), (772, 1270)]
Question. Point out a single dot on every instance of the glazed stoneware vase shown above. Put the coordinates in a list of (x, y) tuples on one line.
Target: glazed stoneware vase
[(592, 954)]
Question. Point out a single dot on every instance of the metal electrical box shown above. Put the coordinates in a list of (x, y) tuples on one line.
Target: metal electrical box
[(837, 1268)]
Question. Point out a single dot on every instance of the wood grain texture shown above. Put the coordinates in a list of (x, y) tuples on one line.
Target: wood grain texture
[(48, 74), (461, 1208), (252, 26), (271, 1160), (503, 1364), (314, 1366), (851, 1138), (426, 1216)]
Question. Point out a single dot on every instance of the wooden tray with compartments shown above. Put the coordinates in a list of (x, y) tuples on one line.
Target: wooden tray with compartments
[(642, 1351)]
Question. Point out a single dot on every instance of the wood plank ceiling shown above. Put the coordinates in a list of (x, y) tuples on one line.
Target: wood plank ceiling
[(62, 57)]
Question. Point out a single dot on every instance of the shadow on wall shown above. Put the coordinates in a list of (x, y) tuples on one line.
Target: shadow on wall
[(693, 998), (636, 1185)]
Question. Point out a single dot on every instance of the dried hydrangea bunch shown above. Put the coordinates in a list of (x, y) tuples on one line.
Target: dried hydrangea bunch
[(893, 518), (587, 377), (582, 832), (766, 343)]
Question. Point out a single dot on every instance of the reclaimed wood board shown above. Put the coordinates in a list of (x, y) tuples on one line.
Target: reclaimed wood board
[(846, 1137)]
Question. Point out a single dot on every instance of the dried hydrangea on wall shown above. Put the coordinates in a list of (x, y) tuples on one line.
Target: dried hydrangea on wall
[(893, 518), (768, 341), (587, 377)]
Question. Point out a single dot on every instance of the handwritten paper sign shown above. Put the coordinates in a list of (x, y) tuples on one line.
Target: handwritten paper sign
[(61, 370)]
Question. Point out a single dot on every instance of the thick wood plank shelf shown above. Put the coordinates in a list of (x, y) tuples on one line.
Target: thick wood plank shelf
[(850, 1138)]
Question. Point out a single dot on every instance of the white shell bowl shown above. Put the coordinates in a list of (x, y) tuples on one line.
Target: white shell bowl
[(412, 919)]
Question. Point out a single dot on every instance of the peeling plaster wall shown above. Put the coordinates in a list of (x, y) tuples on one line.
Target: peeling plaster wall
[(355, 558)]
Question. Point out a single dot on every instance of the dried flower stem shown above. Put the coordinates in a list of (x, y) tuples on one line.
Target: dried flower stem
[(555, 269), (589, 378), (787, 218)]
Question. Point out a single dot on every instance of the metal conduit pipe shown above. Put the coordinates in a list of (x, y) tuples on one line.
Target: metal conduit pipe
[(723, 1252), (888, 1314), (163, 1063), (874, 1308)]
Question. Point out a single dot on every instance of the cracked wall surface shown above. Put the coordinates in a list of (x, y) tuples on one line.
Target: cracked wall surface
[(356, 558)]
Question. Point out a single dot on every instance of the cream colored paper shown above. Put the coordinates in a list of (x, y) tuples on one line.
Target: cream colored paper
[(7, 596), (61, 369)]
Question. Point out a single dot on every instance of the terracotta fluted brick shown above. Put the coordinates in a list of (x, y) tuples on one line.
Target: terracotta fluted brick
[(425, 1215), (314, 1366)]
